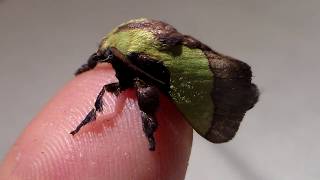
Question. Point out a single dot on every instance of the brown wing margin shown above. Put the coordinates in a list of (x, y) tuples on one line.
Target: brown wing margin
[(233, 93)]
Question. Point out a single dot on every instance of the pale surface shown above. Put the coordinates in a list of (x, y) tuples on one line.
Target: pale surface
[(43, 42)]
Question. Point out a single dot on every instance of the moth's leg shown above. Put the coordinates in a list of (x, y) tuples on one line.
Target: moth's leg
[(92, 62), (98, 57), (113, 88), (119, 105), (148, 101), (91, 116), (98, 105)]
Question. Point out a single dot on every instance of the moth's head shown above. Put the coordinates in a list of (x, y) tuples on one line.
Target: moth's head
[(143, 36)]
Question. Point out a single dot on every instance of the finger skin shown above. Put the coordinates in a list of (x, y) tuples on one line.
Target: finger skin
[(114, 149)]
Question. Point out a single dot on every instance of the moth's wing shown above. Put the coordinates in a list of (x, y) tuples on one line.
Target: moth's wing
[(214, 97)]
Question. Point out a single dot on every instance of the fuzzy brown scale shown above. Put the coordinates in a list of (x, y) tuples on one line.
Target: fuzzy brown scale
[(232, 94)]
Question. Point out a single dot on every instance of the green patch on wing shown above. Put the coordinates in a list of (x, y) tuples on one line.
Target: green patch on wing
[(192, 83), (136, 40)]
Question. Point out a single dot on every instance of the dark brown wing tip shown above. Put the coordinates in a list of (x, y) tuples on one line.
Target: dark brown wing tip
[(233, 94)]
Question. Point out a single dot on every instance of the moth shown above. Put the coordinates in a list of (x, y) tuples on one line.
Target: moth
[(212, 90)]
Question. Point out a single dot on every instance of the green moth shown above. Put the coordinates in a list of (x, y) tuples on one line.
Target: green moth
[(212, 90)]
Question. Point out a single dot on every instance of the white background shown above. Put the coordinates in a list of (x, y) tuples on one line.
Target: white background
[(42, 42)]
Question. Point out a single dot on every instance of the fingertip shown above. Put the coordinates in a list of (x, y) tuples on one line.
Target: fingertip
[(105, 149)]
